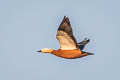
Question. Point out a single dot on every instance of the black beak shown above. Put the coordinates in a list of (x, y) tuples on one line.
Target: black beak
[(39, 51)]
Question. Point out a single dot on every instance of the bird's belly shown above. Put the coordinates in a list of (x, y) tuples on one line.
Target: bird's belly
[(69, 54)]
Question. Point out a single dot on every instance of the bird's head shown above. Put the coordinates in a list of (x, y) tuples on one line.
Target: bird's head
[(45, 50)]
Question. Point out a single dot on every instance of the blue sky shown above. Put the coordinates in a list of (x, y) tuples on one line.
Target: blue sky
[(26, 26)]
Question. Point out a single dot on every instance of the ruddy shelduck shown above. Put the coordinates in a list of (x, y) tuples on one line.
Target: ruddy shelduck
[(69, 48)]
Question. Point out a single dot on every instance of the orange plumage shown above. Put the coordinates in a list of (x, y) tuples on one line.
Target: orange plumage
[(69, 54)]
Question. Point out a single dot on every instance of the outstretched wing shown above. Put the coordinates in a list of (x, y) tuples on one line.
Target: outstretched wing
[(82, 44), (65, 35)]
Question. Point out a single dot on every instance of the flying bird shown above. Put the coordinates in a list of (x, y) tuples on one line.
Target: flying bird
[(69, 48)]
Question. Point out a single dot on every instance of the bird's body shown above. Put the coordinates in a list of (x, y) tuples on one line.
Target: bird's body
[(69, 54), (69, 48)]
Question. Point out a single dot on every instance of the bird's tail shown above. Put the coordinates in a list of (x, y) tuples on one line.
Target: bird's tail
[(88, 53)]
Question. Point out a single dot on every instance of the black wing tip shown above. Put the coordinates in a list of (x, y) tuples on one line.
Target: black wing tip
[(66, 20), (87, 40), (65, 16)]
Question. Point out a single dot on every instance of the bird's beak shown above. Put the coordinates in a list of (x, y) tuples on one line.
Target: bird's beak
[(39, 51)]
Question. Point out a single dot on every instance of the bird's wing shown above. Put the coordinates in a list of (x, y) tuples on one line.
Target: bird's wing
[(82, 44), (65, 35)]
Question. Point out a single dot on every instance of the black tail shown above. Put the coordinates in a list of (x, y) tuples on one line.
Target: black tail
[(82, 44), (88, 53)]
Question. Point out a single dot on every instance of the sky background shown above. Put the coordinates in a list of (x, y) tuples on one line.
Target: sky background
[(26, 26)]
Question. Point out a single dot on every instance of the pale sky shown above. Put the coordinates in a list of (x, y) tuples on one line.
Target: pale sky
[(26, 26)]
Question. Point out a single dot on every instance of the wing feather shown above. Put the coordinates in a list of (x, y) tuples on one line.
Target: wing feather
[(65, 35)]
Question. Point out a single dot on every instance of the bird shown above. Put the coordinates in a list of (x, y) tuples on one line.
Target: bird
[(69, 48)]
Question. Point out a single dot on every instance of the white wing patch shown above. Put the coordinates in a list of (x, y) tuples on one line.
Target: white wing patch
[(66, 43)]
